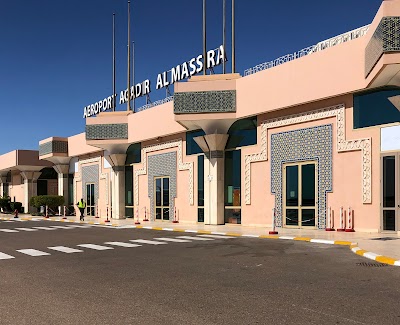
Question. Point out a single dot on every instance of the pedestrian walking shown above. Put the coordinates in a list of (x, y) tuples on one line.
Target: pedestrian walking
[(81, 206)]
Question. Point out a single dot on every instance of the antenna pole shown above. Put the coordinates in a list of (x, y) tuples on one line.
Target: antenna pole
[(233, 36), (204, 39), (223, 32), (114, 99), (129, 57)]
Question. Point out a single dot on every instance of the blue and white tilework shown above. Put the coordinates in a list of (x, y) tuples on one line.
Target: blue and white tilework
[(302, 145), (162, 165)]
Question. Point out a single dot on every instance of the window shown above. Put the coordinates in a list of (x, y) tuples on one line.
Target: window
[(192, 147), (129, 191), (242, 133), (134, 154), (374, 108)]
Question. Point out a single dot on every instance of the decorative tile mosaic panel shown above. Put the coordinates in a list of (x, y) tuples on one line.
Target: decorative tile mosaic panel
[(90, 174), (205, 102), (106, 131), (162, 165), (302, 145), (386, 39), (53, 147)]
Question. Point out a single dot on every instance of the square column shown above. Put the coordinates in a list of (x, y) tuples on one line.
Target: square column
[(30, 188), (117, 161), (3, 180), (62, 171), (213, 146)]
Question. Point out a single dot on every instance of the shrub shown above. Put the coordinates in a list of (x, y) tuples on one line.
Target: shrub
[(52, 201), (16, 206), (4, 202)]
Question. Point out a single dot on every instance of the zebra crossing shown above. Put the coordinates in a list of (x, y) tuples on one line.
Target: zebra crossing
[(132, 243), (47, 228)]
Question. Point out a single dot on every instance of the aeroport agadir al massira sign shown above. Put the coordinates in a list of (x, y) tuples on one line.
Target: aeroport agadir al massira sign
[(180, 72)]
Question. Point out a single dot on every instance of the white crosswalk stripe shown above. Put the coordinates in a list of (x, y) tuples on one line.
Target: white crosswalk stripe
[(194, 238), (4, 256), (64, 249), (175, 240), (26, 229), (216, 236), (32, 252), (145, 241), (44, 228), (61, 227), (8, 221), (96, 247), (122, 244), (8, 230)]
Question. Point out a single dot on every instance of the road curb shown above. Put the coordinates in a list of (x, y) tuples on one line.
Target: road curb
[(353, 246)]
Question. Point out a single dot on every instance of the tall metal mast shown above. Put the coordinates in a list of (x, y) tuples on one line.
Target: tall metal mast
[(233, 36), (204, 39), (114, 97), (128, 108), (224, 33), (133, 72)]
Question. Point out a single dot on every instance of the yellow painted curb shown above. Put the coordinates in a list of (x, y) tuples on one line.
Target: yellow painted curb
[(156, 228), (179, 230), (204, 232), (91, 222), (302, 238), (344, 243), (385, 259), (269, 236), (233, 234), (361, 252)]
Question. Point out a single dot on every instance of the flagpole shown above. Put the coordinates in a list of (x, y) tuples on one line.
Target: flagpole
[(233, 36), (204, 39), (114, 99), (224, 33), (128, 108), (133, 72)]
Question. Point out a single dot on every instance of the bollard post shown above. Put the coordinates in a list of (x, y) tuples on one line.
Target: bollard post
[(350, 227), (273, 231), (175, 220), (342, 226), (16, 213), (329, 220), (59, 210), (47, 212), (64, 215), (97, 212), (137, 216), (107, 216), (145, 214)]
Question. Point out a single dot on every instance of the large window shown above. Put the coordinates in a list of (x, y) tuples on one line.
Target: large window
[(200, 188), (192, 147), (233, 186), (134, 154), (242, 133), (374, 108), (129, 191)]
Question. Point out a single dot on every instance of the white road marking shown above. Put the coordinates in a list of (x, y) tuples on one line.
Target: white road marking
[(145, 241), (121, 244), (44, 228), (78, 226), (125, 227), (175, 240), (147, 227), (216, 236), (8, 230), (251, 236), (5, 256), (32, 252), (286, 237), (194, 238), (64, 249), (322, 241), (27, 229), (8, 221), (191, 231), (168, 229), (61, 227), (96, 247)]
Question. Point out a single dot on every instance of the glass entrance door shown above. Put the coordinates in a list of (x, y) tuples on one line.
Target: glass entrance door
[(299, 194), (390, 191), (161, 188), (90, 201)]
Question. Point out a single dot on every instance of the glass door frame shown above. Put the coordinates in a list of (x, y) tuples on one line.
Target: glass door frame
[(396, 207), (90, 208), (162, 207), (299, 206)]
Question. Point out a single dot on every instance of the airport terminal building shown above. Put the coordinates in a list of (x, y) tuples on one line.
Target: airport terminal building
[(308, 135)]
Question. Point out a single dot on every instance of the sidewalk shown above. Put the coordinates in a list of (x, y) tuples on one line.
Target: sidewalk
[(370, 245)]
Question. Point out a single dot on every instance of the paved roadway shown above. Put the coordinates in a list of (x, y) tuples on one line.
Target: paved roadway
[(208, 281)]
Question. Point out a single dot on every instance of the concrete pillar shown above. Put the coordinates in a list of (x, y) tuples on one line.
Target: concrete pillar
[(117, 162), (62, 171), (213, 146), (30, 187), (3, 180)]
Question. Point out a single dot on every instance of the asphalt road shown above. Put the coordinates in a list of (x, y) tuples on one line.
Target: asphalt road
[(216, 281)]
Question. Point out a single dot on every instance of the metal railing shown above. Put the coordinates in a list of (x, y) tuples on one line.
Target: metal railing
[(320, 46), (156, 103)]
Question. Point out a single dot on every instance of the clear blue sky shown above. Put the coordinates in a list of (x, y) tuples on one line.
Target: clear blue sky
[(56, 56)]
